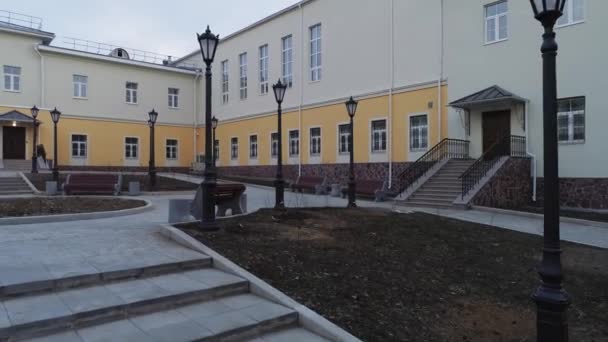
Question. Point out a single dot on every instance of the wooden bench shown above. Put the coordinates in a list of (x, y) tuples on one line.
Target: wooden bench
[(316, 184), (227, 196), (92, 183), (376, 189)]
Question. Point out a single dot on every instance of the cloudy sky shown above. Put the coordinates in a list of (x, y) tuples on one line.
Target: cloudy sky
[(167, 27)]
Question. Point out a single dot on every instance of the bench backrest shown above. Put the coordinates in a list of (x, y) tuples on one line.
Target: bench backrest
[(229, 189), (83, 178), (370, 185), (310, 180)]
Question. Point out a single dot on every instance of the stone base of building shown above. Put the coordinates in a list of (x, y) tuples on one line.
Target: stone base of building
[(65, 168), (510, 188), (579, 193)]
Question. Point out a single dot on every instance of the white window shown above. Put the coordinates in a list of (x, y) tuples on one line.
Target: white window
[(274, 145), (253, 147), (131, 93), (571, 120), (344, 135), (131, 148), (243, 75), (379, 136), (234, 148), (419, 133), (315, 53), (79, 146), (496, 21), (315, 141), (574, 13), (225, 88), (287, 60), (173, 98), (216, 150), (294, 143), (264, 69), (80, 85), (12, 78), (171, 149)]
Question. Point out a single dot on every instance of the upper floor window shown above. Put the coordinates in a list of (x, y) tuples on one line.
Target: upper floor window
[(264, 69), (80, 85), (287, 60), (234, 148), (274, 145), (79, 145), (131, 148), (294, 143), (419, 132), (243, 75), (571, 120), (224, 79), (315, 141), (574, 12), (173, 98), (12, 78), (345, 142), (131, 93), (253, 147), (496, 21), (315, 53), (171, 149), (378, 135)]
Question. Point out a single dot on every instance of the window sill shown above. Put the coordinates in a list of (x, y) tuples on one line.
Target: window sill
[(79, 157), (573, 142), (132, 103), (495, 42), (12, 91), (174, 108), (263, 94), (418, 150), (379, 152), (80, 98), (313, 82), (132, 159), (570, 24)]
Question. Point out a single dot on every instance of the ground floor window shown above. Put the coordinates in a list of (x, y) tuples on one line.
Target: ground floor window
[(171, 149), (253, 146), (315, 141), (216, 150), (131, 148), (571, 120), (79, 145), (419, 132), (274, 145), (344, 136), (234, 148), (378, 128), (294, 143)]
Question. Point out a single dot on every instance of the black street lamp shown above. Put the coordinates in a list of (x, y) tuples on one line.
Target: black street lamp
[(153, 115), (208, 43), (34, 112), (214, 122), (55, 115), (551, 299), (351, 107), (279, 184)]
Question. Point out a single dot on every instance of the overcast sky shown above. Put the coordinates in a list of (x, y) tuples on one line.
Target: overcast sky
[(166, 27)]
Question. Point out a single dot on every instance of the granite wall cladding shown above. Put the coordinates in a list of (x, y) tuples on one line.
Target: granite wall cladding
[(579, 193), (122, 169), (510, 188)]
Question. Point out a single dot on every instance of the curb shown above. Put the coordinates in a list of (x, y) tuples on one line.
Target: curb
[(540, 216), (307, 318), (78, 217)]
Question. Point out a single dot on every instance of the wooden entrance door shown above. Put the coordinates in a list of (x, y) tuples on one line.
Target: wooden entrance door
[(13, 142), (495, 126)]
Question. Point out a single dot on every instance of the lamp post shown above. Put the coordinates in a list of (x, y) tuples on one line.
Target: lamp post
[(351, 107), (551, 299), (208, 43), (279, 184), (214, 122), (34, 112), (153, 115), (55, 115)]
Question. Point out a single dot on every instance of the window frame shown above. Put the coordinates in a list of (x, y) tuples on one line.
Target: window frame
[(570, 114), (273, 144), (496, 18), (233, 155), (287, 64), (131, 148), (80, 145), (174, 148), (254, 147), (173, 98), (216, 149), (289, 139), (411, 129), (310, 141), (78, 84), (264, 62), (12, 77), (243, 76), (225, 82), (131, 93), (385, 131), (316, 70), (348, 140), (569, 11)]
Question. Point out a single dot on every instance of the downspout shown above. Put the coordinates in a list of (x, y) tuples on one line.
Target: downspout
[(195, 116), (390, 93), (533, 156), (303, 72), (440, 80)]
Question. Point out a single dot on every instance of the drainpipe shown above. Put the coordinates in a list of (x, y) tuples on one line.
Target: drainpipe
[(533, 156), (195, 116), (302, 75), (390, 93), (441, 52)]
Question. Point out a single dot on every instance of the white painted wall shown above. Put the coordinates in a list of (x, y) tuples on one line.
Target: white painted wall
[(18, 50)]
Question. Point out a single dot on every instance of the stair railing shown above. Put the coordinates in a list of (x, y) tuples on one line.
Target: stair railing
[(445, 149), (512, 145)]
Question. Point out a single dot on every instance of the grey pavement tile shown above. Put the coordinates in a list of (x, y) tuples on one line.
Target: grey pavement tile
[(90, 298), (4, 320), (293, 335), (69, 268), (136, 290), (29, 309), (24, 273), (201, 311), (213, 277), (227, 321), (265, 311), (119, 331), (177, 283), (69, 336), (170, 326), (242, 301)]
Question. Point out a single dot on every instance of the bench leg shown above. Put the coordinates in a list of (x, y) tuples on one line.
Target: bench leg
[(221, 210)]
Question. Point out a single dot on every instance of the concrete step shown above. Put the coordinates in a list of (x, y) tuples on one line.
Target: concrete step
[(53, 312), (291, 334), (15, 192), (8, 187), (428, 204), (434, 187), (428, 192), (433, 198)]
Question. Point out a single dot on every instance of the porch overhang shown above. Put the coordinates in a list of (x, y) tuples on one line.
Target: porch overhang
[(17, 117), (493, 96)]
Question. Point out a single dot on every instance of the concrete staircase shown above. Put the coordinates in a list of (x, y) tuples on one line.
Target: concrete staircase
[(443, 187), (187, 300), (17, 165), (13, 185)]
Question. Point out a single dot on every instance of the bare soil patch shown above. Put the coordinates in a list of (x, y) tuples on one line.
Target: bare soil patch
[(38, 206)]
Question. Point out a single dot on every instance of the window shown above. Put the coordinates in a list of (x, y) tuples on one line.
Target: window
[(419, 132), (131, 93), (379, 136), (274, 145), (171, 149), (173, 98), (496, 22), (234, 148), (253, 147), (131, 148), (264, 69), (80, 85), (315, 141), (79, 146), (243, 75), (294, 143), (225, 88), (574, 12), (12, 78), (287, 60), (315, 53), (344, 136), (216, 150), (571, 120)]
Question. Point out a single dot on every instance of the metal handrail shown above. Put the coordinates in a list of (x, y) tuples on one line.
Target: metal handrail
[(19, 19)]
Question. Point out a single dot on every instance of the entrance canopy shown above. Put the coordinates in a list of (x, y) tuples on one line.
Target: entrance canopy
[(15, 116), (491, 96)]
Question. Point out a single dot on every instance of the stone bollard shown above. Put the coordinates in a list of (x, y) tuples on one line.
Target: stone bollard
[(134, 189), (51, 188)]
